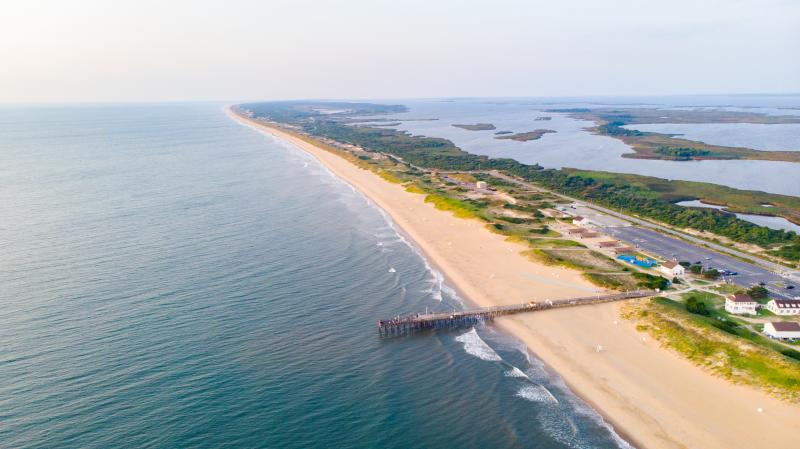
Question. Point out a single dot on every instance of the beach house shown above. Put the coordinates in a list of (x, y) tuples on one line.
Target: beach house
[(740, 304), (672, 268), (784, 307), (782, 330)]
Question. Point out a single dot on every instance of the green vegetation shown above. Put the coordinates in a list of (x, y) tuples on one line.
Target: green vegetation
[(758, 293), (697, 306), (526, 136), (650, 145), (721, 346), (459, 208), (647, 197), (477, 127), (682, 153), (650, 281), (633, 194)]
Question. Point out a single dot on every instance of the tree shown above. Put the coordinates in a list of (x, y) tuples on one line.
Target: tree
[(711, 274), (696, 306), (758, 292), (696, 269)]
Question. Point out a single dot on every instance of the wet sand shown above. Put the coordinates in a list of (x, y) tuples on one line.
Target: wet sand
[(651, 395)]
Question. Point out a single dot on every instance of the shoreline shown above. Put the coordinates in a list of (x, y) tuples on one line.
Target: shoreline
[(621, 383)]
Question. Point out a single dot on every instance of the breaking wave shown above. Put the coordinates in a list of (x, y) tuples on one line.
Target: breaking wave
[(474, 345)]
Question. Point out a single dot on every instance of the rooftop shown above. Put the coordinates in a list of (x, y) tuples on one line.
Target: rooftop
[(670, 264), (786, 326), (787, 303), (740, 297)]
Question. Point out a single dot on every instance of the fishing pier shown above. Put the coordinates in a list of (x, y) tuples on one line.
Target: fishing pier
[(407, 324)]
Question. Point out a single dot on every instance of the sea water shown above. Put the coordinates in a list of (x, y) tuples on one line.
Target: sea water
[(170, 278)]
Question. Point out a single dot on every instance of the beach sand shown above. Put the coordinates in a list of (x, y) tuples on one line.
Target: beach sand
[(649, 394)]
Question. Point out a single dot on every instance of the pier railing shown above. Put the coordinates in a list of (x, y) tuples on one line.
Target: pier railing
[(402, 325)]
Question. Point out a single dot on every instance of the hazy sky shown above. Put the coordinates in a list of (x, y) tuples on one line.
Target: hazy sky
[(142, 50)]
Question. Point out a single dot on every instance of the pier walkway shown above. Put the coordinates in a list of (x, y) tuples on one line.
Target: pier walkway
[(407, 324)]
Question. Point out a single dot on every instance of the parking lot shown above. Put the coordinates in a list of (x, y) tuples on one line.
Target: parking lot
[(668, 248)]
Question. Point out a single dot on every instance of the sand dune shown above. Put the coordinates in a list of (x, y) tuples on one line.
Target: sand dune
[(651, 395)]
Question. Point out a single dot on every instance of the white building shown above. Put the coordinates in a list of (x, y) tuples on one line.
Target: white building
[(784, 307), (672, 268), (481, 185), (740, 304), (782, 330)]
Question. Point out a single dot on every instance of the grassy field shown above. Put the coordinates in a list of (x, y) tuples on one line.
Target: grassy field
[(726, 351)]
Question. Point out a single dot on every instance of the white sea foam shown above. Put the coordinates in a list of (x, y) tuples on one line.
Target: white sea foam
[(392, 270), (516, 372), (437, 279), (537, 393), (474, 345)]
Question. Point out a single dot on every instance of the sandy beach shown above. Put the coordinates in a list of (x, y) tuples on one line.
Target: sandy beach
[(650, 395)]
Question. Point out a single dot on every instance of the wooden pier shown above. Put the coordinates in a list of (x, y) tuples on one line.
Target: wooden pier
[(404, 325)]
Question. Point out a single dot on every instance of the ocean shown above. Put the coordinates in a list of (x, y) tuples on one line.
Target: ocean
[(171, 278)]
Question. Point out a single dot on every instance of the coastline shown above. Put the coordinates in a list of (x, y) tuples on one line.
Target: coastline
[(651, 396)]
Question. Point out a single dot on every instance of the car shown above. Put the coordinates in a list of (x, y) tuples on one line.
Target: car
[(708, 258), (762, 284), (789, 287)]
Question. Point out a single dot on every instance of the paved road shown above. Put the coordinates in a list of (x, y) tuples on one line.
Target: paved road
[(667, 247), (795, 275)]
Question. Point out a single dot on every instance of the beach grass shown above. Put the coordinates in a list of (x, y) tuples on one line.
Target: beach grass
[(750, 361)]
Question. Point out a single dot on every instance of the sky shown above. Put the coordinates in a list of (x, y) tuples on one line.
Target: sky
[(143, 50)]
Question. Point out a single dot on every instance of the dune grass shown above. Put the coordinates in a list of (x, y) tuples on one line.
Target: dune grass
[(702, 341)]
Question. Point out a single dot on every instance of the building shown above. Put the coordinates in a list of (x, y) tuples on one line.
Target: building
[(624, 250), (782, 330), (740, 304), (481, 185), (784, 307), (583, 221), (672, 268), (608, 244), (575, 231), (552, 213), (589, 235)]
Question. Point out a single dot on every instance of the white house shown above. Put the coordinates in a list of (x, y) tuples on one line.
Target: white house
[(740, 304), (672, 268), (578, 220), (782, 330), (784, 307)]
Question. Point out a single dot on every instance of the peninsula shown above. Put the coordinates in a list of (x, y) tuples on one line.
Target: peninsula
[(653, 396), (651, 145)]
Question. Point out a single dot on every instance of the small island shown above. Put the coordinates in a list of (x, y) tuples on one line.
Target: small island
[(476, 127), (524, 137), (498, 133), (545, 117)]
